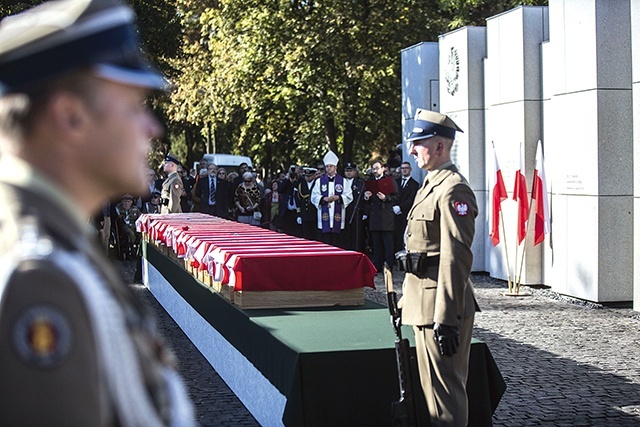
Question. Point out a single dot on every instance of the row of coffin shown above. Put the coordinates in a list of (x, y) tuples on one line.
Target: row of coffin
[(259, 268)]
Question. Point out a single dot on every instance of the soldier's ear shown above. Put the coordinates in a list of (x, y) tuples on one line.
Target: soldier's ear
[(68, 112)]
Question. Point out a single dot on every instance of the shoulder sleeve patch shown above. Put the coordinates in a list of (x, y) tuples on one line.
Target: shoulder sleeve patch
[(462, 209), (42, 336)]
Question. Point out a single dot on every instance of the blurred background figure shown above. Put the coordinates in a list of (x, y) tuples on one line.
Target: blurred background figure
[(307, 211), (128, 214), (153, 205)]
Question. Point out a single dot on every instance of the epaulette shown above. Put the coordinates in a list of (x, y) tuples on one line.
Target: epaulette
[(32, 242)]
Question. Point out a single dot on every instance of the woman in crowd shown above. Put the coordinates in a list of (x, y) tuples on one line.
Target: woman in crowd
[(271, 205), (247, 200)]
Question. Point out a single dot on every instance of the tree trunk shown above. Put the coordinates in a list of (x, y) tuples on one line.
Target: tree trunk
[(330, 132)]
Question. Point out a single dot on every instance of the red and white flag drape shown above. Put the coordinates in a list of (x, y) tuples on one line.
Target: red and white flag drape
[(542, 223), (520, 195), (498, 194)]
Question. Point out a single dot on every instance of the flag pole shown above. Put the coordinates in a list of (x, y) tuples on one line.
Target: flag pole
[(515, 268), (506, 253), (524, 249)]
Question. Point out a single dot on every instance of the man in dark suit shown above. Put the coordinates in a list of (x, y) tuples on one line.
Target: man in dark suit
[(225, 194), (213, 193), (408, 189)]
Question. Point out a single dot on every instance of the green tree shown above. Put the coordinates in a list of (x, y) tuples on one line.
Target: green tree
[(474, 12), (284, 80), (298, 77)]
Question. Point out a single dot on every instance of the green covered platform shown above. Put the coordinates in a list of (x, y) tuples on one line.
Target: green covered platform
[(304, 367)]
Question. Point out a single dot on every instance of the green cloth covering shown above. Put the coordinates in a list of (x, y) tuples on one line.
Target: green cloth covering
[(336, 366)]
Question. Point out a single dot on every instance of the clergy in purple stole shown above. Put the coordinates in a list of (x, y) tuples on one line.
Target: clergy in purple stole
[(331, 197)]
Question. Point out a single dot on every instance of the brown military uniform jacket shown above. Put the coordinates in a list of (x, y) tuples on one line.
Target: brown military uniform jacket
[(441, 222), (172, 190), (76, 347)]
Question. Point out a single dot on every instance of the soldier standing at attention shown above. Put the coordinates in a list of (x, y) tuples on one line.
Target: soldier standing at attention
[(438, 298), (172, 187), (76, 346)]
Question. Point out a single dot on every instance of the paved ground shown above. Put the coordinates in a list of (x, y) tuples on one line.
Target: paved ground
[(565, 363)]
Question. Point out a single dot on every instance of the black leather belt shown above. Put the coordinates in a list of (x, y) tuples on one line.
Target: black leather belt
[(416, 262)]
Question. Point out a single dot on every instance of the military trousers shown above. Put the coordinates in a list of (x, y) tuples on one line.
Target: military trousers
[(444, 378)]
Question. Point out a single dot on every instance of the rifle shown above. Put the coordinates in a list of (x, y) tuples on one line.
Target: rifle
[(404, 413)]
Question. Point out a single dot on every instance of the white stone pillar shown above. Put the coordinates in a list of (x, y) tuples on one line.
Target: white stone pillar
[(419, 90), (635, 55), (462, 98), (588, 147), (513, 120)]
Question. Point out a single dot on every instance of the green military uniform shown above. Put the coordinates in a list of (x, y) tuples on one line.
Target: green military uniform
[(76, 347), (441, 224), (171, 191)]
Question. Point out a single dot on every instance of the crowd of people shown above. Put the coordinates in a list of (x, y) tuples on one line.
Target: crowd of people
[(314, 203)]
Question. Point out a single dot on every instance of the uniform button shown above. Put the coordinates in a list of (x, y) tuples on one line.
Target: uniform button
[(409, 234)]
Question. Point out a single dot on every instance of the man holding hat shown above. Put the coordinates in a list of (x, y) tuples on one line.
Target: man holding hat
[(76, 347), (331, 197), (172, 187), (438, 298)]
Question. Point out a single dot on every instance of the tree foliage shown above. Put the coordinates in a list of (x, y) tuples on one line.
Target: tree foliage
[(284, 80)]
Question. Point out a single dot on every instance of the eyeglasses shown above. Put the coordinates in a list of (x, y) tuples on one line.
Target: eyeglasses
[(222, 173)]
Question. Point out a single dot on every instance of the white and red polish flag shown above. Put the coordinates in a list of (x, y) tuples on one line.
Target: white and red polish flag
[(498, 194), (520, 195), (542, 223)]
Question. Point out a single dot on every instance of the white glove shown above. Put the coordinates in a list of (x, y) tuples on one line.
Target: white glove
[(364, 217), (396, 210), (299, 220)]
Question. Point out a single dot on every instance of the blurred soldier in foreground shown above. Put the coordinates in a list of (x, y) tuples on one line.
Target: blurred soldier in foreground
[(437, 293), (76, 347)]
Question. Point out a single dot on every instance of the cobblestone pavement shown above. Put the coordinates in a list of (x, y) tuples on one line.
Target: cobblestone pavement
[(566, 363)]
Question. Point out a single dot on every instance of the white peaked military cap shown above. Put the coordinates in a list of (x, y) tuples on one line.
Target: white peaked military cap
[(429, 123), (63, 35), (330, 158)]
